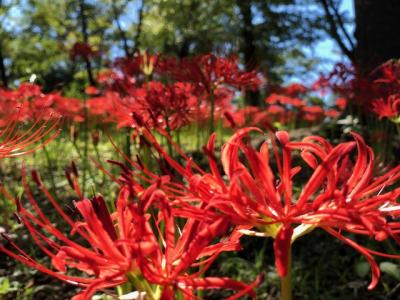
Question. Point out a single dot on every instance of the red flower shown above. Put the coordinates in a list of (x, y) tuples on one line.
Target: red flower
[(340, 196), (15, 143), (169, 264), (82, 50), (92, 90), (210, 71), (139, 64), (332, 113), (284, 100), (341, 103), (389, 108), (134, 244), (162, 106), (295, 89)]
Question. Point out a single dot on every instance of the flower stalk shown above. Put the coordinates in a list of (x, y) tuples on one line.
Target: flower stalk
[(286, 282)]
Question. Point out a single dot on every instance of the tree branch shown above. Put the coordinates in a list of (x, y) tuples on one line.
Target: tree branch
[(120, 30), (139, 28), (3, 73), (86, 41), (333, 31), (341, 24)]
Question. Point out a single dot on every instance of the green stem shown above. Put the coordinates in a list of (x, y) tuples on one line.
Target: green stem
[(169, 145), (50, 168), (398, 128), (103, 176), (212, 111), (85, 147), (128, 151), (198, 135), (286, 282)]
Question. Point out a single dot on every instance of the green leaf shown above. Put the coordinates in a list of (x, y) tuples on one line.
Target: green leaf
[(4, 286), (391, 269), (362, 268)]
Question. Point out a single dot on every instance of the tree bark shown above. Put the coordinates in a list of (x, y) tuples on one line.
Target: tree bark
[(248, 47), (139, 28), (3, 73), (377, 32), (85, 34)]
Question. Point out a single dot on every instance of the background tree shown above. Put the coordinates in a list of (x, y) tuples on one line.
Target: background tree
[(272, 36), (376, 27), (5, 39), (377, 31)]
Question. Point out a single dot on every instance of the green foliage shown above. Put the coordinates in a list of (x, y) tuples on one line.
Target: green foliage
[(37, 35)]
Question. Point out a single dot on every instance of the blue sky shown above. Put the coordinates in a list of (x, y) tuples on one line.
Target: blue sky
[(327, 49)]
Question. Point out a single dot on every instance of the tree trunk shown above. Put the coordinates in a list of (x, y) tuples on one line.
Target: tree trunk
[(85, 34), (136, 39), (3, 73), (248, 47), (377, 32)]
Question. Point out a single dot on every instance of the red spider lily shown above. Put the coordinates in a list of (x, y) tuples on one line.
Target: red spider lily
[(139, 64), (117, 82), (362, 89), (82, 50), (340, 196), (295, 89), (104, 262), (341, 103), (247, 116), (388, 72), (108, 108), (289, 110), (387, 109), (168, 265), (284, 100), (210, 71), (162, 105), (332, 113), (134, 244), (33, 104), (204, 88), (15, 143), (92, 90), (312, 113)]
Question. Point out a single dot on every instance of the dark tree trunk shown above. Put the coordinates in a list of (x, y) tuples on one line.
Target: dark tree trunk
[(377, 32), (3, 73), (85, 34), (139, 28), (248, 47)]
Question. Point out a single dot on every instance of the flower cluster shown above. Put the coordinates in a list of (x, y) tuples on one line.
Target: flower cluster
[(286, 106), (146, 242), (167, 227), (28, 103), (343, 193)]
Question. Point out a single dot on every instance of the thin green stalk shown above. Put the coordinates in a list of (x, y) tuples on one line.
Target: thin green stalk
[(286, 282), (50, 167), (103, 176), (168, 128), (178, 138), (128, 151), (198, 135), (212, 111), (85, 147), (76, 147)]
